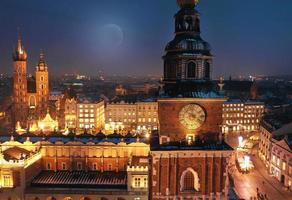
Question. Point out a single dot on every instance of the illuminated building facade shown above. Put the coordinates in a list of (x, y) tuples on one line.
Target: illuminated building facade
[(30, 96), (121, 117), (147, 115), (70, 113), (73, 168), (90, 115), (275, 148), (140, 116), (189, 157), (241, 116)]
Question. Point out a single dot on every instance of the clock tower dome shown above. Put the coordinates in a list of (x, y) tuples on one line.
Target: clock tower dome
[(188, 59)]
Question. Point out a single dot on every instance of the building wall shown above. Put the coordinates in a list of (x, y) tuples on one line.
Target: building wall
[(42, 90), (20, 92), (280, 162), (90, 116), (70, 113), (242, 116), (169, 122), (106, 157), (147, 116), (121, 117), (169, 168)]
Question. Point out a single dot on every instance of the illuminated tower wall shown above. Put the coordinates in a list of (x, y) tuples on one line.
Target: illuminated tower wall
[(42, 85), (20, 104)]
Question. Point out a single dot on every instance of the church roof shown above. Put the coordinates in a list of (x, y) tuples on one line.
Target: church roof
[(81, 179)]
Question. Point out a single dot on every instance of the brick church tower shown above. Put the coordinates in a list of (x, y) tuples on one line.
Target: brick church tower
[(189, 157), (20, 104), (42, 85), (30, 94)]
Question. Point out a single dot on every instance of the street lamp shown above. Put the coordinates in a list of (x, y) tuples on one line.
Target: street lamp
[(246, 162), (240, 141)]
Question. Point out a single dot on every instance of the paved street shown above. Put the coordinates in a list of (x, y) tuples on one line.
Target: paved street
[(246, 184)]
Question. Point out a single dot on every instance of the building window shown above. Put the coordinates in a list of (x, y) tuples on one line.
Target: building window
[(79, 166), (207, 70), (110, 167), (192, 70), (189, 181), (137, 182), (145, 183), (64, 166), (284, 166), (49, 166), (7, 181), (94, 166)]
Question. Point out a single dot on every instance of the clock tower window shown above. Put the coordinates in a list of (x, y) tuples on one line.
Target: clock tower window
[(191, 69)]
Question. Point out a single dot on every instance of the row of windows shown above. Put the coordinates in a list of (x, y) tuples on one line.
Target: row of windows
[(86, 110), (242, 121), (140, 183), (86, 106), (79, 166)]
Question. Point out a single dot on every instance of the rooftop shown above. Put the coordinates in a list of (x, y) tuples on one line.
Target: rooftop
[(81, 179), (84, 138)]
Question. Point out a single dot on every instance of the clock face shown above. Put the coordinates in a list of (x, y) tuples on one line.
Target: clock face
[(192, 116)]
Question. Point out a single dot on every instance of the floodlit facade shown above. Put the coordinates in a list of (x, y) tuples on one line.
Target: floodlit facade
[(135, 117), (74, 168), (275, 148), (90, 115), (241, 116)]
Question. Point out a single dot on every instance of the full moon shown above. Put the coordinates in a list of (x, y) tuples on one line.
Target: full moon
[(111, 36)]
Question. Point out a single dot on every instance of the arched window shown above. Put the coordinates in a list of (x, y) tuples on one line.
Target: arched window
[(189, 181), (32, 101), (207, 70), (191, 70)]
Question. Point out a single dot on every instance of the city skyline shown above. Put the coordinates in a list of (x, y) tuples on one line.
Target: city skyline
[(130, 37)]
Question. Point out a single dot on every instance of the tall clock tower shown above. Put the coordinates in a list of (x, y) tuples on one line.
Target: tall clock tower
[(188, 59), (189, 157)]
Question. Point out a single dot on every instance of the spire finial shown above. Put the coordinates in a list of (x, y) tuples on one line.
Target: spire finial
[(19, 52), (42, 56), (187, 3)]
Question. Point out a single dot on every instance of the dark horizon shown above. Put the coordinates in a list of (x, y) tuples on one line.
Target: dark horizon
[(128, 38)]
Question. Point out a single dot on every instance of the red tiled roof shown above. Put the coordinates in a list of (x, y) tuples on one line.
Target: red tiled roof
[(81, 179), (139, 161)]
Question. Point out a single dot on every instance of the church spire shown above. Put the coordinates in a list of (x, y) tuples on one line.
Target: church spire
[(19, 53), (42, 65)]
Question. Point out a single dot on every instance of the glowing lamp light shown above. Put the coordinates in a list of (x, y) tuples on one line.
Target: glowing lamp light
[(246, 162), (240, 141), (42, 126), (147, 135)]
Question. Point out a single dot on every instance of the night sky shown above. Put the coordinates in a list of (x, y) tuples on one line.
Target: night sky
[(129, 36)]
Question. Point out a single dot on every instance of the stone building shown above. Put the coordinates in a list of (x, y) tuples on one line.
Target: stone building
[(275, 148), (90, 115), (30, 95), (73, 168), (239, 116), (189, 157), (141, 116)]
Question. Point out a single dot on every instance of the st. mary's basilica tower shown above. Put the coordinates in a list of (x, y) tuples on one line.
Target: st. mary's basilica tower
[(188, 61), (30, 94)]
